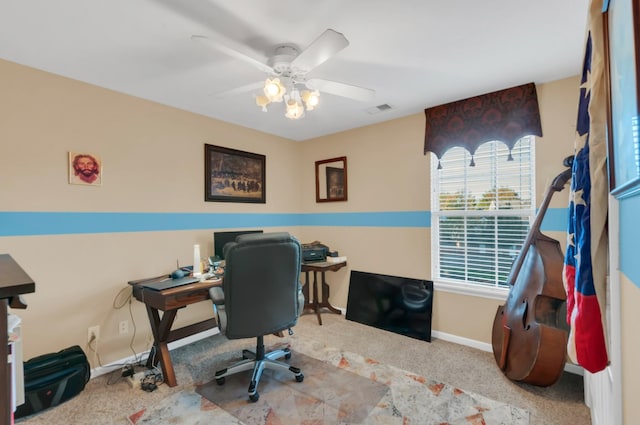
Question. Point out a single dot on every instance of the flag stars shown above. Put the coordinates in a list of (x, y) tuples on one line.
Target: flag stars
[(587, 84), (578, 197)]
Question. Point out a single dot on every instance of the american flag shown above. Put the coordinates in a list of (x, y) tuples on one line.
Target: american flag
[(585, 267)]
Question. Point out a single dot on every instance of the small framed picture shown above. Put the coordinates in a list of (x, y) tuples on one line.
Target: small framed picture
[(85, 169)]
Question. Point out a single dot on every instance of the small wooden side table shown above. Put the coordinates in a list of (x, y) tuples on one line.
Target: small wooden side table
[(319, 267)]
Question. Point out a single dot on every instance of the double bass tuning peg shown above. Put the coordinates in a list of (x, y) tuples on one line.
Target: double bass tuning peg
[(568, 161)]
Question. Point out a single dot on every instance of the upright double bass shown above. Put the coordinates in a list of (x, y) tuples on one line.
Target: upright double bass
[(530, 334)]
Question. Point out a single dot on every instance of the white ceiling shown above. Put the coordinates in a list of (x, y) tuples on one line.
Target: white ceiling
[(413, 53)]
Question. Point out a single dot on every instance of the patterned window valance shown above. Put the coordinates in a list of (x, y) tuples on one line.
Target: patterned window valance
[(505, 115)]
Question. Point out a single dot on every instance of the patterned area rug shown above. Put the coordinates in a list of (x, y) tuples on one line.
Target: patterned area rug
[(339, 388)]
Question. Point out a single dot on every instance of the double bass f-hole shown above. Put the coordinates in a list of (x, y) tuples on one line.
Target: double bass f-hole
[(525, 315), (528, 342)]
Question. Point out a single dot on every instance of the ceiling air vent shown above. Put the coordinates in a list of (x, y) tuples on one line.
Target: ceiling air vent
[(379, 108)]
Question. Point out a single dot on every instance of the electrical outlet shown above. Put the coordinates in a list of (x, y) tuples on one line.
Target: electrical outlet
[(93, 333), (123, 327)]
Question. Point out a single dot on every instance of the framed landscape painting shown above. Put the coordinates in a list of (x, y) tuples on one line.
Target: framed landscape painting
[(231, 175)]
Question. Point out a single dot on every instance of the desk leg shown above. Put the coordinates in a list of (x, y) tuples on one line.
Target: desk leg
[(161, 328), (325, 296)]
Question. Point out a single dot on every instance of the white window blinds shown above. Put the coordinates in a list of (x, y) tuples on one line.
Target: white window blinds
[(481, 214)]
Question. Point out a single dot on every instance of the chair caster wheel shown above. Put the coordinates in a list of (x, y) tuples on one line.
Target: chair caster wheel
[(299, 378), (220, 381), (254, 397)]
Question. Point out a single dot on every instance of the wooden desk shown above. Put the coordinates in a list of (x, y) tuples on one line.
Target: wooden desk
[(319, 267), (13, 282), (169, 301)]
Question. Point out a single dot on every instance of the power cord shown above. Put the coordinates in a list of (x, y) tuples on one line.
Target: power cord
[(93, 346), (128, 300)]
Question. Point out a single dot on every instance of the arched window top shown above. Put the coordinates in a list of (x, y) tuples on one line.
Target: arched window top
[(505, 115)]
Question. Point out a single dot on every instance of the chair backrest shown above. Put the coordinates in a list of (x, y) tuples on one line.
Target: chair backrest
[(261, 284)]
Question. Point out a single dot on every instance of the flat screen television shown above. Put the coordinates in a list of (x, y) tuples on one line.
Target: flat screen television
[(220, 239), (396, 304)]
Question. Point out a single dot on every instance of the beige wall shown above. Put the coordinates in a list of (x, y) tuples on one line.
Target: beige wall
[(153, 163)]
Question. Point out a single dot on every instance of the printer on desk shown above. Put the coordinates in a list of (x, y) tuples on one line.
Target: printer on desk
[(314, 251)]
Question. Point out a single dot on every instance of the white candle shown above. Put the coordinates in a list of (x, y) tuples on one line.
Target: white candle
[(197, 267)]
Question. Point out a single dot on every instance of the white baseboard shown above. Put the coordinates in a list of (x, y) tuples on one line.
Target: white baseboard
[(102, 370), (483, 346), (568, 367)]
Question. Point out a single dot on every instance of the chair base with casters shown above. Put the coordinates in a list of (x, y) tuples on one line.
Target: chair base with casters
[(258, 362)]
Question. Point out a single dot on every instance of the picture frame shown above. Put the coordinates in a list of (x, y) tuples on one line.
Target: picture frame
[(621, 30), (331, 179), (85, 169), (335, 182), (231, 175)]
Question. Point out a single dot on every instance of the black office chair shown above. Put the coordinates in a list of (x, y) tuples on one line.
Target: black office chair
[(260, 295)]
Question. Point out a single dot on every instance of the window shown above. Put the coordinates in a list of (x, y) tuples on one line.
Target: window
[(481, 214)]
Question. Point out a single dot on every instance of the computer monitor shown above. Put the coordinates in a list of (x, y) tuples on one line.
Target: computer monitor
[(220, 239)]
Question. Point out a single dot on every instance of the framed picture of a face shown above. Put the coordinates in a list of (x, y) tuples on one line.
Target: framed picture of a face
[(85, 169)]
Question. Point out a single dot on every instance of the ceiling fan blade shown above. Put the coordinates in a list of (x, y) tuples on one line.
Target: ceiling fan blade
[(322, 48), (340, 89), (234, 50), (242, 89)]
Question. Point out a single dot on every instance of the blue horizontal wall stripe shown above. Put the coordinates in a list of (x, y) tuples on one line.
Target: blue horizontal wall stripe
[(555, 220), (56, 223), (369, 219), (60, 223), (47, 223)]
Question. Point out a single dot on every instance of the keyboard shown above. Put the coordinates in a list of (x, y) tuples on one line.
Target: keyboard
[(170, 283)]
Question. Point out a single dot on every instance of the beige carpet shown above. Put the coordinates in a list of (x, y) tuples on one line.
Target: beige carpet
[(109, 400), (339, 388)]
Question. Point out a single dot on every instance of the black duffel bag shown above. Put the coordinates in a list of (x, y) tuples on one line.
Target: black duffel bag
[(51, 379)]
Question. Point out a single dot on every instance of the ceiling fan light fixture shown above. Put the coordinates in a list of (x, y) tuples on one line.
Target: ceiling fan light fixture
[(274, 90), (295, 110), (262, 101), (311, 99)]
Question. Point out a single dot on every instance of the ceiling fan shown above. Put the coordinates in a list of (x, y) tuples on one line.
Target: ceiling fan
[(287, 72)]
